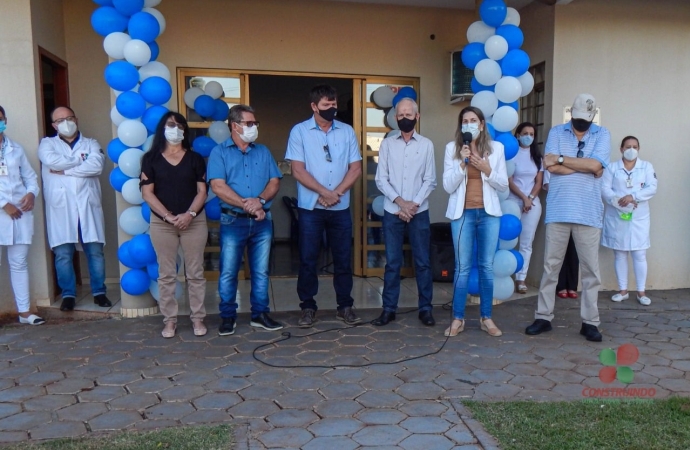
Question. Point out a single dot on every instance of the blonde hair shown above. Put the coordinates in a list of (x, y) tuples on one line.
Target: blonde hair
[(483, 141)]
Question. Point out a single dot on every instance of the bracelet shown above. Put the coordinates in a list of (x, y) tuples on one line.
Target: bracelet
[(165, 218)]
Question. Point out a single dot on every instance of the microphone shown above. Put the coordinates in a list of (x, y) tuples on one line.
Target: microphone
[(466, 139)]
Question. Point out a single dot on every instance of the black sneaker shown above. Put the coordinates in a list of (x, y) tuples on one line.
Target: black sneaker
[(67, 304), (227, 326), (102, 301), (590, 332), (265, 322), (538, 327)]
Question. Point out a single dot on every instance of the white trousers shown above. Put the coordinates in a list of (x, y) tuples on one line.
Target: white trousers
[(639, 258), (530, 221), (19, 275)]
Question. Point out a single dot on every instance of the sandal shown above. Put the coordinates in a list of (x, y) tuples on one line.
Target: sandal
[(199, 327), (521, 287), (169, 330), (490, 327), (455, 330)]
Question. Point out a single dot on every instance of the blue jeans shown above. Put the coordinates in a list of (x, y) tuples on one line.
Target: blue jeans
[(419, 232), (475, 225), (338, 227), (64, 268), (236, 234)]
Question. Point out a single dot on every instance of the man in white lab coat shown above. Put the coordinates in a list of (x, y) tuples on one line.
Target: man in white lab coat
[(74, 214)]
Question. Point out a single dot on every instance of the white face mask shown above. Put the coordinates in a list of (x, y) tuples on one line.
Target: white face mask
[(174, 135), (249, 134), (630, 154), (471, 128), (526, 140), (67, 128)]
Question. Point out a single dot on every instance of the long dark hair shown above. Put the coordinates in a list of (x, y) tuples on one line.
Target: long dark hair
[(534, 148), (159, 141), (627, 138), (483, 141)]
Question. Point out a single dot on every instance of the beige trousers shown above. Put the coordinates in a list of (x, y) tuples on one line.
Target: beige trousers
[(587, 244), (166, 240)]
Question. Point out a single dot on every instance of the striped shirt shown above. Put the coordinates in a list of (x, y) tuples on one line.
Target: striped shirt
[(576, 198)]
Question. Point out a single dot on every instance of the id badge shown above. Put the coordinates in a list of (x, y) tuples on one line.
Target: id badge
[(629, 183), (4, 171)]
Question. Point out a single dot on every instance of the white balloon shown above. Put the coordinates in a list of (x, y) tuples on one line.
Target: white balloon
[(117, 93), (504, 287), (213, 89), (512, 17), (191, 95), (508, 89), (391, 120), (507, 245), (154, 69), (151, 3), (159, 17), (486, 101), (505, 264), (527, 82), (114, 44), (131, 221), (148, 143), (383, 97), (505, 119), (479, 32), (510, 167), (129, 162), (219, 131), (393, 133), (137, 52), (116, 117), (487, 72), (153, 289), (211, 195), (496, 47), (502, 195), (377, 205), (179, 290), (132, 133), (131, 192), (509, 206)]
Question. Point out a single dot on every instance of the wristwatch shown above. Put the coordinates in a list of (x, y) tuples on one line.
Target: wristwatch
[(561, 159), (531, 197), (262, 200), (192, 213)]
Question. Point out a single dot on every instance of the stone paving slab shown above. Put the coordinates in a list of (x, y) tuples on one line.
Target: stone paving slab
[(72, 379)]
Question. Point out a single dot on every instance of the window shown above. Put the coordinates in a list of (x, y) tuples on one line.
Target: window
[(532, 105)]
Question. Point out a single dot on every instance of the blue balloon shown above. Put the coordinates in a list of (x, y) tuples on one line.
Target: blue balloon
[(515, 63), (106, 20), (478, 87), (204, 105), (473, 282), (146, 212), (128, 7), (115, 149), (155, 50), (135, 282), (213, 209), (492, 130), (153, 116), (117, 179), (515, 105), (141, 250), (155, 90), (203, 146), (493, 12), (520, 259), (152, 270), (125, 257), (131, 104), (104, 2), (510, 227), (408, 92), (221, 110), (512, 34), (510, 145), (472, 54), (121, 75), (143, 26)]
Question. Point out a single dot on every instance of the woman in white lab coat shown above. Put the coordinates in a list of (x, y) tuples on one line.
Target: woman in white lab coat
[(18, 189), (627, 187)]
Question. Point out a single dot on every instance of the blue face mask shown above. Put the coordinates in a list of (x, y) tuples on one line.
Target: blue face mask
[(526, 140), (3, 126)]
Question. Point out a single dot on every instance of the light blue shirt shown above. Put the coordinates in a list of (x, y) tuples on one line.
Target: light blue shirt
[(576, 198), (246, 173), (306, 144)]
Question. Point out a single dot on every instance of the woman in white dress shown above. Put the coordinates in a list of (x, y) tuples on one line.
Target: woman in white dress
[(627, 187)]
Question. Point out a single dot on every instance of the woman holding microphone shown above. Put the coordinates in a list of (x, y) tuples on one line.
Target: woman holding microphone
[(474, 168)]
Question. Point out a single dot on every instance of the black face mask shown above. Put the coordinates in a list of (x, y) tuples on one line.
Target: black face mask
[(406, 125), (328, 114), (581, 125)]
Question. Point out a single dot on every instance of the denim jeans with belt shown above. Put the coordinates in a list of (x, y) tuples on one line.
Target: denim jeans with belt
[(419, 231), (338, 228), (64, 268), (236, 234), (474, 225)]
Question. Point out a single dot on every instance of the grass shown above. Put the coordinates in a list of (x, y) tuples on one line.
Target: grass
[(180, 438), (588, 424)]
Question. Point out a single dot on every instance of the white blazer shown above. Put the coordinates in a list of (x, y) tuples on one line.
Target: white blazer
[(72, 200), (21, 180), (455, 181)]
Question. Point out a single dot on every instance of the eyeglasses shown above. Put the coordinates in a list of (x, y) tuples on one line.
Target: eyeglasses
[(173, 125), (70, 118), (328, 153), (250, 123), (580, 146)]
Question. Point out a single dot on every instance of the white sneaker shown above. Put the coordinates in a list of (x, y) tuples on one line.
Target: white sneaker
[(619, 298), (644, 300)]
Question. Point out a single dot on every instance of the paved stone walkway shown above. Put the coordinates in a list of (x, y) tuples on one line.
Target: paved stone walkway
[(77, 378)]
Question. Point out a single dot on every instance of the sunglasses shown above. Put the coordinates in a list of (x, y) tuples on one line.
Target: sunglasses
[(580, 146), (250, 123), (328, 153)]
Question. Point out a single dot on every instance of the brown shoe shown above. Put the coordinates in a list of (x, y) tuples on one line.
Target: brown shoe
[(456, 327), (169, 330), (490, 327), (348, 316), (308, 318), (199, 327)]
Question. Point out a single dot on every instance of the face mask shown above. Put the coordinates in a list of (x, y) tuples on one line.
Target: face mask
[(249, 134), (406, 125), (67, 128), (630, 154), (581, 125), (3, 126), (471, 128), (174, 135), (526, 140), (328, 114)]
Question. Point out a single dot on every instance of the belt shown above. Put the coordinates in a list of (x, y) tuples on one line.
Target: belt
[(232, 213)]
